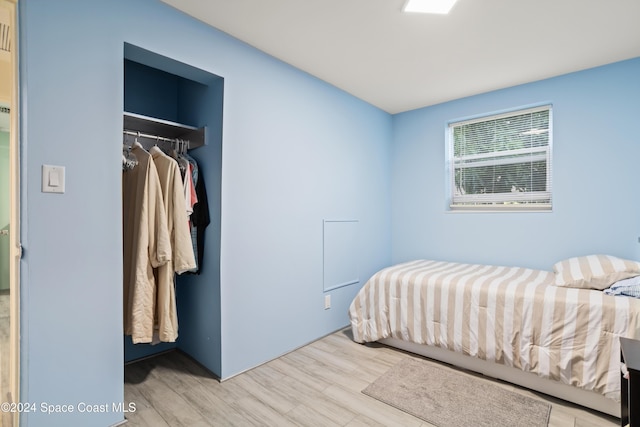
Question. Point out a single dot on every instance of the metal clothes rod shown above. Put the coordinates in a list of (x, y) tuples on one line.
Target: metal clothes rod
[(156, 137)]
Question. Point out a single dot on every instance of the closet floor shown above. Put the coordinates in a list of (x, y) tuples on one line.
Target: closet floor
[(317, 385)]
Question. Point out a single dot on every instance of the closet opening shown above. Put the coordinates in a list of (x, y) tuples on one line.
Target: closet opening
[(172, 108)]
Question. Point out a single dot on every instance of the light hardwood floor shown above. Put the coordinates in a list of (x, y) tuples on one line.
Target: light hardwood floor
[(317, 385)]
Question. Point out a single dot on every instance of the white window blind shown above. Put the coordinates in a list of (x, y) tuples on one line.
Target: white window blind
[(502, 162)]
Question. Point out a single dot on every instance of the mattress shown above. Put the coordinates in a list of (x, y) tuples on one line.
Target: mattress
[(507, 315)]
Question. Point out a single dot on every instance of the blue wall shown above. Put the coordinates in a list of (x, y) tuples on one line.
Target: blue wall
[(295, 151), (596, 201)]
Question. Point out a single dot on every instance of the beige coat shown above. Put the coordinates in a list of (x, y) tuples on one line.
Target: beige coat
[(146, 245), (181, 247)]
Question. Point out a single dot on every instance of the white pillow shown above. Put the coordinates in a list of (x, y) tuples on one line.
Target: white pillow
[(594, 271)]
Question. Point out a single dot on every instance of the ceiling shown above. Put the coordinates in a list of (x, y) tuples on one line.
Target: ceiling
[(399, 62)]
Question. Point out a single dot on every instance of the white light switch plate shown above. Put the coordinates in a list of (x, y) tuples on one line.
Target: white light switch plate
[(52, 179)]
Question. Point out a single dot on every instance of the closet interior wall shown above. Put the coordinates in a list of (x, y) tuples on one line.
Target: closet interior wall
[(165, 89)]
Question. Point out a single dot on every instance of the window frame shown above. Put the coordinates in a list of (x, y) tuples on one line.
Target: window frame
[(500, 202)]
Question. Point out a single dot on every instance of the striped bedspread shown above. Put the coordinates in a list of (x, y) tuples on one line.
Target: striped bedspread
[(507, 315)]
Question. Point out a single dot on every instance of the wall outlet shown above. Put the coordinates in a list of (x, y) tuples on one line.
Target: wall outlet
[(327, 302)]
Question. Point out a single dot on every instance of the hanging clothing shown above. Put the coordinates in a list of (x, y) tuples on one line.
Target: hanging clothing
[(182, 252), (193, 199), (189, 190), (146, 245), (199, 219)]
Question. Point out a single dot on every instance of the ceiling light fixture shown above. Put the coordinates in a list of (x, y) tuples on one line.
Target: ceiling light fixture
[(429, 6)]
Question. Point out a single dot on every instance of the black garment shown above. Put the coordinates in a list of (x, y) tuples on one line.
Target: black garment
[(200, 220)]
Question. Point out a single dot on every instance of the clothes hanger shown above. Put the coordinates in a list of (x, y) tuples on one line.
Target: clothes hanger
[(136, 143), (155, 148), (129, 160), (175, 151), (182, 163)]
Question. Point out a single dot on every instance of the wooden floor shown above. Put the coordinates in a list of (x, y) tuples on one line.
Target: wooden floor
[(317, 385)]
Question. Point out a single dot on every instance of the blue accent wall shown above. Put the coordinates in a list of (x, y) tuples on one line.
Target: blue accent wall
[(596, 203), (151, 92), (295, 151), (288, 151)]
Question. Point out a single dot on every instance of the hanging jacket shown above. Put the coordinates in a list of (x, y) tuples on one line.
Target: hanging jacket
[(146, 245), (182, 252)]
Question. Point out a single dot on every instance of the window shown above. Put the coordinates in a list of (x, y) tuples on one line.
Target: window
[(502, 162)]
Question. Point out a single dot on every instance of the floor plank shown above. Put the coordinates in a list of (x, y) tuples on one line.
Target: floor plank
[(317, 385)]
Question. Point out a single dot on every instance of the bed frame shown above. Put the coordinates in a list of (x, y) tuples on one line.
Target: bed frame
[(512, 375)]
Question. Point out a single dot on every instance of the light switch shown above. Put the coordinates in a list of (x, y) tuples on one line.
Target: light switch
[(52, 179)]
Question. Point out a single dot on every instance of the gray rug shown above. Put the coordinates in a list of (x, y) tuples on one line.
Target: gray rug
[(448, 398)]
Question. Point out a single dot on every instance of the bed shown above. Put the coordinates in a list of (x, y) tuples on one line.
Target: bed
[(555, 332)]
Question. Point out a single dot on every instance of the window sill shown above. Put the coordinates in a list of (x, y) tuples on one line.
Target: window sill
[(502, 209)]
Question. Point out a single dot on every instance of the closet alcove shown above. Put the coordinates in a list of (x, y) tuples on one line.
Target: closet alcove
[(168, 98)]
